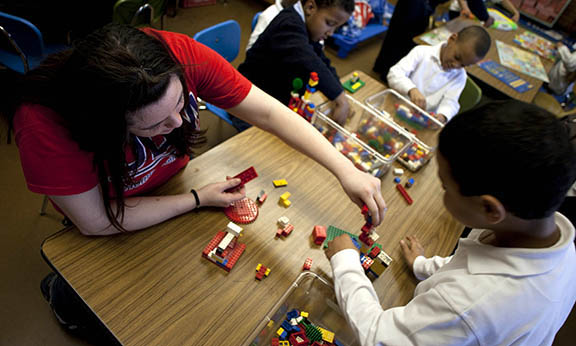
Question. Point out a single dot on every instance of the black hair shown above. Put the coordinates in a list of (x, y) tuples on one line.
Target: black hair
[(346, 5), (514, 151), (94, 87), (479, 36)]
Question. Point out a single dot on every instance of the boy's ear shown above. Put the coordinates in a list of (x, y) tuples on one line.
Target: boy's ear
[(494, 211), (309, 7), (453, 37)]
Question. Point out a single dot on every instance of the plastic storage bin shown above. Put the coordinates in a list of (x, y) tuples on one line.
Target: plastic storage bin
[(420, 124), (368, 139), (313, 294)]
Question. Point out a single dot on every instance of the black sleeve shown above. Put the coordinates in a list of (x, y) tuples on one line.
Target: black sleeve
[(295, 51), (478, 8)]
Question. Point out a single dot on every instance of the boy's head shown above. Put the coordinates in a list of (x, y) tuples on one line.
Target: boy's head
[(505, 158), (465, 48), (323, 17)]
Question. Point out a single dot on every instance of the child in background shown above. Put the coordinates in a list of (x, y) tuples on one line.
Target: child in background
[(461, 8), (266, 17), (563, 73), (433, 77), (289, 48), (513, 280)]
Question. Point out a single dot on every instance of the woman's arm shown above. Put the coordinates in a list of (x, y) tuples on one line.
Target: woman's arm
[(86, 210), (267, 113)]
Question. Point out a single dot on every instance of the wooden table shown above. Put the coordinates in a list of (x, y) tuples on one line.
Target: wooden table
[(154, 288), (508, 38)]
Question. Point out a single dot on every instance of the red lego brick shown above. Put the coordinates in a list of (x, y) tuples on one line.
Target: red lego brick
[(367, 228), (274, 342), (287, 230), (366, 239), (374, 252), (319, 234), (404, 193), (299, 339), (213, 243), (234, 256), (367, 263), (245, 177), (279, 232), (307, 264)]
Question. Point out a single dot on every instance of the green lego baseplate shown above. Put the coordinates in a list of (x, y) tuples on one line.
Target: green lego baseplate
[(353, 87), (332, 232)]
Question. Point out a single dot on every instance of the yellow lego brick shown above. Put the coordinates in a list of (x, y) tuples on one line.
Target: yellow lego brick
[(258, 266), (304, 314), (280, 331), (283, 343), (327, 335), (356, 85), (270, 323), (280, 182), (285, 195), (267, 272), (286, 203)]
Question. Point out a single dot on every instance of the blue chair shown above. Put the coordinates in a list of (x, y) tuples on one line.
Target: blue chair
[(224, 38), (25, 45), (255, 20)]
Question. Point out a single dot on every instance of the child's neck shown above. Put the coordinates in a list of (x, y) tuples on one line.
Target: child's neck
[(536, 234)]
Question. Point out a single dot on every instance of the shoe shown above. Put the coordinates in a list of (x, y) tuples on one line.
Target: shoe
[(46, 286)]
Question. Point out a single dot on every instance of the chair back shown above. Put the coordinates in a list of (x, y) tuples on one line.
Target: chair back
[(470, 96), (224, 38), (22, 47), (255, 20)]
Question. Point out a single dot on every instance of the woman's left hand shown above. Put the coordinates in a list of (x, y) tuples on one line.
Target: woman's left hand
[(362, 188)]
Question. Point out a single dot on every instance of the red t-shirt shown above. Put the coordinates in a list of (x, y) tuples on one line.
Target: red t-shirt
[(53, 164)]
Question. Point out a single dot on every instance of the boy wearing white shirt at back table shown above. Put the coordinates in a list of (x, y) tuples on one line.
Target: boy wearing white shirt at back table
[(433, 77), (505, 168), (265, 18)]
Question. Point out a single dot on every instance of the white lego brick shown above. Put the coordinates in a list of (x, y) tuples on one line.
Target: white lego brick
[(226, 241), (398, 171), (284, 221), (234, 229)]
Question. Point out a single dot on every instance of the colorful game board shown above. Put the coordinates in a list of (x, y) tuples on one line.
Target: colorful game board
[(501, 22), (521, 60), (436, 36), (537, 44), (503, 74)]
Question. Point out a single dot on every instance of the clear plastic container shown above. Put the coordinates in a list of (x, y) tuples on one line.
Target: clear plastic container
[(371, 141), (313, 294), (413, 119)]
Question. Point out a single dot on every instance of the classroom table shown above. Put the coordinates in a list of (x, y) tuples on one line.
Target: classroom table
[(153, 287), (507, 37)]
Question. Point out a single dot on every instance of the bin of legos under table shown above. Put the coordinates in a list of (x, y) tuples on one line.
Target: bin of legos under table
[(413, 119), (371, 141), (314, 295)]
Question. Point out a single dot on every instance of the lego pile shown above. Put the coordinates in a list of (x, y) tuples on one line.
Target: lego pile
[(380, 136), (415, 157), (414, 120), (297, 330)]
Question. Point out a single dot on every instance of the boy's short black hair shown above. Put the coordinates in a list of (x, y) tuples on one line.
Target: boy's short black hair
[(346, 5), (514, 151), (479, 36)]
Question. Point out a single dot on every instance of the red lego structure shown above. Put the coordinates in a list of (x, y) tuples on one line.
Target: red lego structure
[(243, 211), (319, 234), (224, 258)]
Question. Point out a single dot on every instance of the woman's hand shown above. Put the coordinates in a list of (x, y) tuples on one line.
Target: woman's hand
[(341, 109), (215, 195), (362, 188)]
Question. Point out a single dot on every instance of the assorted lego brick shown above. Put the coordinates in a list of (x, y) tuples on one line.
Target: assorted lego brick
[(279, 182), (243, 211), (284, 201), (302, 104), (245, 176), (224, 249), (307, 264), (261, 197), (415, 157), (261, 271), (354, 83), (297, 330), (319, 234)]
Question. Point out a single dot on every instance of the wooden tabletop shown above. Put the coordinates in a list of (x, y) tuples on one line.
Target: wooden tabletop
[(508, 38), (154, 288)]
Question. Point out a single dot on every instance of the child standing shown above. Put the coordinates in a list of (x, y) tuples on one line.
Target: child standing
[(512, 281), (289, 48), (434, 76), (266, 17)]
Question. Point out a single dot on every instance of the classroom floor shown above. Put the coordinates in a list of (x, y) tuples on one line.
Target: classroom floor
[(25, 318)]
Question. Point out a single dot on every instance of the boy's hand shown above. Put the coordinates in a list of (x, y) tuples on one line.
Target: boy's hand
[(516, 17), (488, 23), (417, 97), (441, 117), (411, 248), (341, 109), (339, 243)]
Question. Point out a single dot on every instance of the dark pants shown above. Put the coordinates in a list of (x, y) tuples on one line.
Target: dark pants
[(76, 317)]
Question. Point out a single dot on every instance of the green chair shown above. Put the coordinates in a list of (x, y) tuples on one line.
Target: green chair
[(470, 96), (140, 12)]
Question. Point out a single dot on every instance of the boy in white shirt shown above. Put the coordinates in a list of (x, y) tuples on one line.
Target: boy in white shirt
[(505, 168), (433, 77), (563, 73)]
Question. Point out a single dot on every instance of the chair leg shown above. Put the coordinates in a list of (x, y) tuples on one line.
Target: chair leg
[(44, 205)]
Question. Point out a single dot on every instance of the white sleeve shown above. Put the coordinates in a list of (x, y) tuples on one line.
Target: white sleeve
[(568, 58), (261, 24), (399, 74), (427, 319), (449, 105), (424, 267)]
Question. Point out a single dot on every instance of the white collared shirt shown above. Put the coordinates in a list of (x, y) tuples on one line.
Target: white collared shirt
[(483, 295), (263, 20), (422, 69)]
